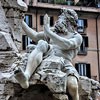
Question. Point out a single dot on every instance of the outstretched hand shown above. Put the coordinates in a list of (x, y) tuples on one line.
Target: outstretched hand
[(46, 24), (46, 20)]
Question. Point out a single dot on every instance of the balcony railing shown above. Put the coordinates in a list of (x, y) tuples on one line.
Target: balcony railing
[(83, 3), (61, 2)]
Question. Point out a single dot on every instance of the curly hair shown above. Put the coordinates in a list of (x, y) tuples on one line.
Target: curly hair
[(66, 21)]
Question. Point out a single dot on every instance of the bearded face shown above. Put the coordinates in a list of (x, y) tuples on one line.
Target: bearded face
[(66, 22), (60, 27), (63, 26)]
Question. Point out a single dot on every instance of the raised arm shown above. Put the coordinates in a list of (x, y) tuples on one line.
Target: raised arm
[(36, 36), (64, 43), (28, 31)]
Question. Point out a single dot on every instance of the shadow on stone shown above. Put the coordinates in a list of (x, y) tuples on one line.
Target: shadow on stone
[(34, 92)]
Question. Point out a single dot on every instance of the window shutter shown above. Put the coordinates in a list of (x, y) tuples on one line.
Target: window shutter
[(24, 43), (86, 41), (85, 23), (51, 21), (41, 20), (88, 70), (30, 21), (76, 66)]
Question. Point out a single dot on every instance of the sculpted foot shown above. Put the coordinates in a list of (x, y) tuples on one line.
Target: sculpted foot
[(22, 4), (21, 78)]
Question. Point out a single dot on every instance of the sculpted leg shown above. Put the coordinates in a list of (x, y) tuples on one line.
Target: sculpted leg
[(73, 87), (34, 59)]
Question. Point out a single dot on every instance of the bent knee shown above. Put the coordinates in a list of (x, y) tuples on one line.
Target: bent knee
[(73, 83), (42, 46), (73, 87)]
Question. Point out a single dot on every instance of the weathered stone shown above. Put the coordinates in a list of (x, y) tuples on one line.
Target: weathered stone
[(6, 59), (14, 4), (4, 25), (2, 89), (14, 91), (9, 89), (11, 13), (10, 22), (6, 42), (85, 86), (88, 88), (16, 28), (61, 96), (2, 97)]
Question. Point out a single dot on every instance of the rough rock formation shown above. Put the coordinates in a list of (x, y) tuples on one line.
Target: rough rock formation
[(4, 25), (10, 42), (10, 19), (10, 88)]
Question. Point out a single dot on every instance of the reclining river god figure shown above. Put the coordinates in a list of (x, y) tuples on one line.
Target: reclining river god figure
[(58, 45)]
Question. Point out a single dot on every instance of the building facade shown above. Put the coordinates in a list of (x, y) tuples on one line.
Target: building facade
[(87, 61)]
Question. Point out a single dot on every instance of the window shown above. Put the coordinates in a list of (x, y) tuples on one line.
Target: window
[(51, 1), (28, 20), (26, 41), (54, 1), (82, 24), (44, 1), (41, 20), (84, 45), (70, 2), (98, 4), (62, 2), (87, 3), (83, 69), (51, 20), (91, 3), (30, 2)]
